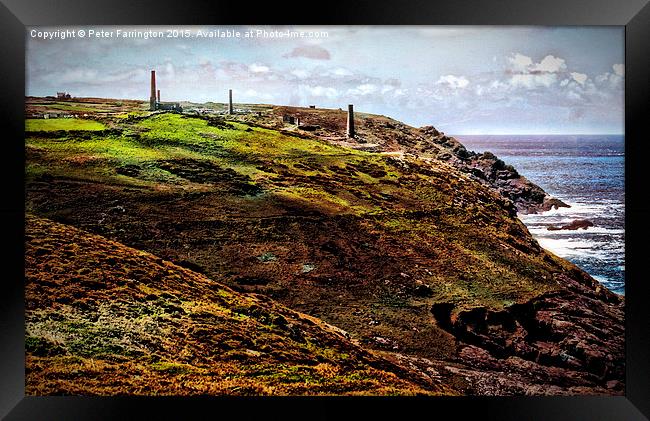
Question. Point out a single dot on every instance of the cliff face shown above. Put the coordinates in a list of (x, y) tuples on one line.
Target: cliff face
[(400, 237), (489, 169), (568, 341)]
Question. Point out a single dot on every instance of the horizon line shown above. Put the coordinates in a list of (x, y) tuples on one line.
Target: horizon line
[(302, 106)]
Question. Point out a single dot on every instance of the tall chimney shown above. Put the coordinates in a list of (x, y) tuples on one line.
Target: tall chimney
[(229, 101), (158, 95), (152, 98), (350, 130)]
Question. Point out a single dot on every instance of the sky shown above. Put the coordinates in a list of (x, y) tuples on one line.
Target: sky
[(460, 79)]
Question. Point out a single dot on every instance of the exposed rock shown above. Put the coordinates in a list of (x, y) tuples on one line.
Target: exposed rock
[(489, 169), (565, 339), (423, 290), (573, 225), (552, 203)]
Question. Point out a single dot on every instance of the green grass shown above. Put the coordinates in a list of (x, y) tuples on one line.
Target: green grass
[(253, 152), (52, 124), (315, 175), (78, 107)]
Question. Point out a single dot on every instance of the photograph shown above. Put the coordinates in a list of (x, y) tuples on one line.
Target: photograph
[(324, 210)]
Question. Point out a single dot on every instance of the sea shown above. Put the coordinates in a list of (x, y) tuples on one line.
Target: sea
[(586, 172)]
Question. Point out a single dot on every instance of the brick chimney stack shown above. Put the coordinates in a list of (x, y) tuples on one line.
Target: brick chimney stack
[(152, 98), (350, 130)]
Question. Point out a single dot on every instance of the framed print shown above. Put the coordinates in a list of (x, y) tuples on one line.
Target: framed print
[(376, 209)]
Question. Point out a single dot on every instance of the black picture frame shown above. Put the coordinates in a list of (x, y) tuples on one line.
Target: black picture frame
[(15, 15)]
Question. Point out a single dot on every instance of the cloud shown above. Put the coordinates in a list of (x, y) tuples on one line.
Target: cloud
[(533, 80), (520, 62), (524, 64), (575, 96), (619, 69), (456, 82), (313, 52), (258, 68), (84, 75), (252, 94), (300, 73), (611, 80), (549, 64), (498, 85), (581, 78), (528, 74), (364, 89), (319, 91), (340, 71)]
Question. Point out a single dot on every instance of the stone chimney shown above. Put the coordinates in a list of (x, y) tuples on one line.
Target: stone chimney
[(152, 98), (350, 131), (230, 101), (158, 92)]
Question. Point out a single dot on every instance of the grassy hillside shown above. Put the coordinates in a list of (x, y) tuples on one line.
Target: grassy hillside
[(106, 319), (472, 249), (35, 125), (392, 246)]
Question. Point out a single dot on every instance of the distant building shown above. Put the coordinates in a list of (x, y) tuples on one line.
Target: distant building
[(154, 99), (290, 119), (169, 106), (63, 95)]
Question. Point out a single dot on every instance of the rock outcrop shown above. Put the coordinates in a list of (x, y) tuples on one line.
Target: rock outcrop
[(383, 134), (489, 169), (573, 225), (570, 340)]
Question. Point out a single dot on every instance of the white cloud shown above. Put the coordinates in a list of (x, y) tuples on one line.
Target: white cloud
[(80, 75), (574, 96), (498, 85), (549, 64), (300, 73), (340, 71), (612, 80), (619, 69), (520, 62), (255, 95), (528, 74), (364, 89), (258, 68), (581, 78), (453, 81), (533, 80), (320, 91)]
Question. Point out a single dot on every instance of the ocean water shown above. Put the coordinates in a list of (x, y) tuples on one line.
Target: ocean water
[(586, 172)]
